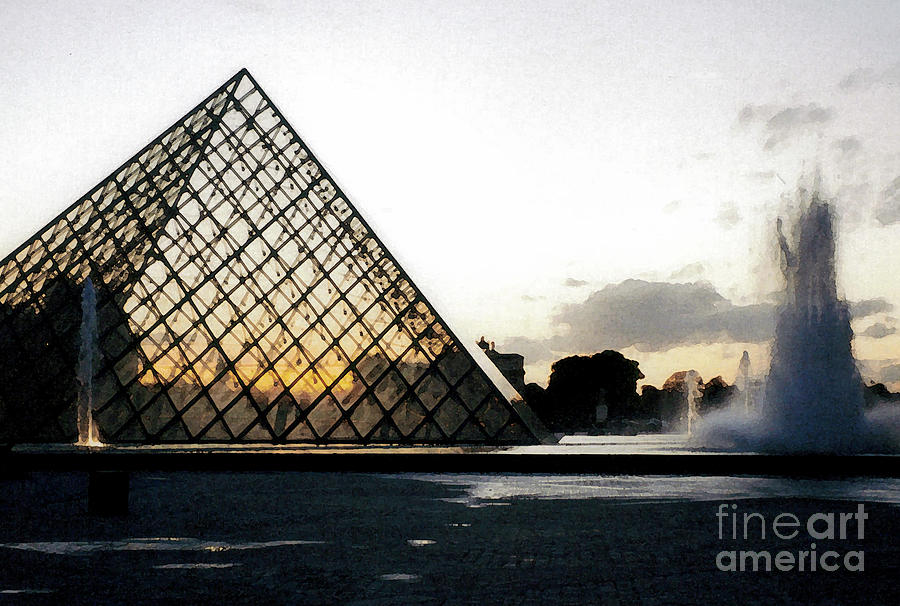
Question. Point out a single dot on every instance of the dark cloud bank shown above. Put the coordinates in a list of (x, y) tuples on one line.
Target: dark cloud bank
[(655, 316)]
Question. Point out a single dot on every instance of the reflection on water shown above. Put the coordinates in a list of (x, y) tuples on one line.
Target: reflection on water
[(148, 544), (420, 542), (399, 576), (480, 490), (667, 443), (196, 566)]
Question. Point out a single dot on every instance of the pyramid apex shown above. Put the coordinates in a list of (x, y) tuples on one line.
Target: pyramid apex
[(240, 75)]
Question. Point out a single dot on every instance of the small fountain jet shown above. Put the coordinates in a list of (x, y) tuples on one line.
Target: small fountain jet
[(692, 397), (743, 380), (88, 435)]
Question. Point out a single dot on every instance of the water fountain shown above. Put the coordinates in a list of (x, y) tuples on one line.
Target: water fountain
[(88, 435), (814, 393), (813, 397), (692, 396), (742, 381)]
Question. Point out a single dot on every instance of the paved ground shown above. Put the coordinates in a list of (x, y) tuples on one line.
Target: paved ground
[(401, 540)]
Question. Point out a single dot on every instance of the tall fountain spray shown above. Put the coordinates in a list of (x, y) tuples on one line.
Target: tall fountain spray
[(814, 393), (813, 397), (87, 429), (692, 396)]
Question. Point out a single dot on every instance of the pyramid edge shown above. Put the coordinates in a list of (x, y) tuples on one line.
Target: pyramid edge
[(133, 158)]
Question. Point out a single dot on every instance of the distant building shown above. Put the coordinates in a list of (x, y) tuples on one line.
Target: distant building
[(511, 365)]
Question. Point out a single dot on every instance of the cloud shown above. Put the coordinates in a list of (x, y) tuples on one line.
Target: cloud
[(859, 79), (891, 373), (782, 123), (534, 350), (887, 211), (791, 121), (655, 316), (848, 145), (879, 330), (573, 283), (728, 215), (531, 298), (869, 307), (864, 78), (790, 117), (754, 113)]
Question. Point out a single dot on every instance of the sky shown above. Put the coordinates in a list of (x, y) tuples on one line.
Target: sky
[(560, 177)]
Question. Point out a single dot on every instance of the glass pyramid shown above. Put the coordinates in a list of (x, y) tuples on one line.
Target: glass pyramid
[(240, 298)]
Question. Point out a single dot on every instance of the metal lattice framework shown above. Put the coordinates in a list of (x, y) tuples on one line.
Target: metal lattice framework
[(241, 298)]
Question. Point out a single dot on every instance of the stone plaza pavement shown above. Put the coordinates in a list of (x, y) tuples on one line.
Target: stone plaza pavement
[(330, 538)]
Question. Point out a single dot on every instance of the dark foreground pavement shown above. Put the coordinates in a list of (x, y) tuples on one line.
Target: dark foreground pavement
[(396, 540)]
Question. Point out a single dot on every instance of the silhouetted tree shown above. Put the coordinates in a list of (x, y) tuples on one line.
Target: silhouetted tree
[(538, 401), (666, 404), (716, 394), (37, 364), (579, 384)]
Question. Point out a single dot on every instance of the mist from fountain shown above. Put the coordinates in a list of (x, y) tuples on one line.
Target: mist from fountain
[(88, 435), (813, 396)]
